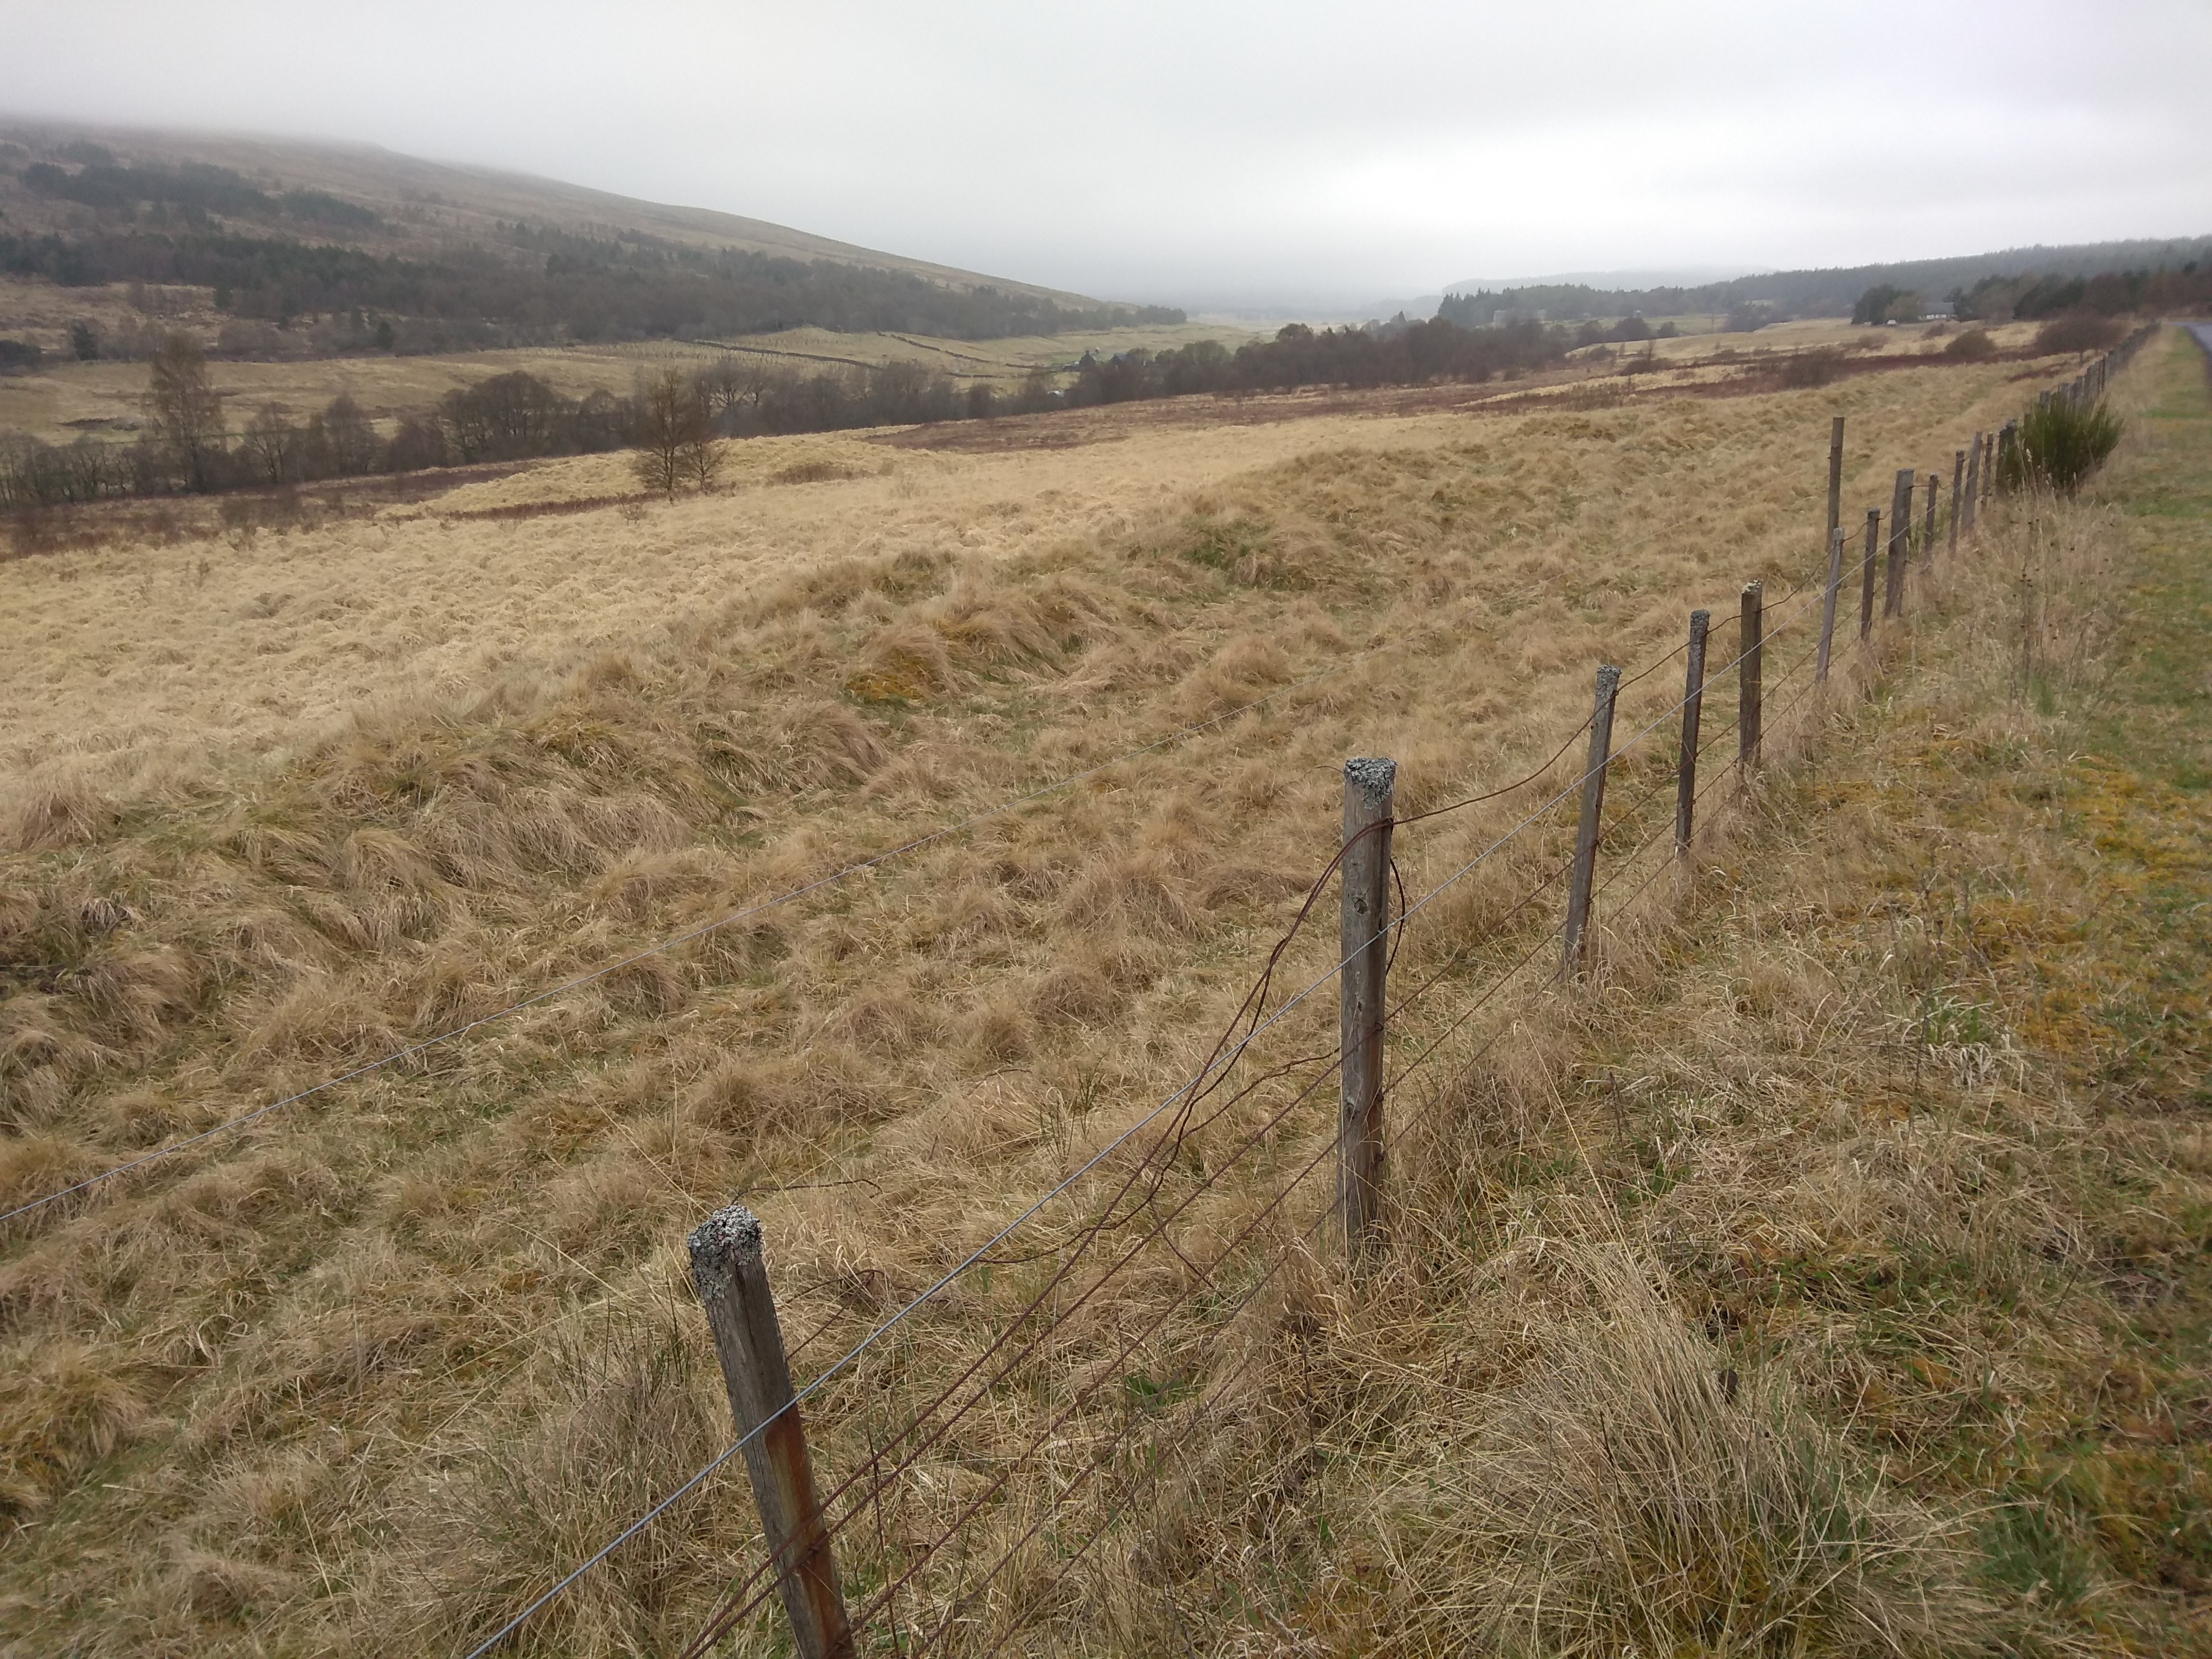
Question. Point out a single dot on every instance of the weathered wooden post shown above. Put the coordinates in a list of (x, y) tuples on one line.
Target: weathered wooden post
[(1866, 571), (1828, 604), (1574, 947), (1835, 475), (1900, 541), (1364, 950), (1974, 478), (2008, 442), (1927, 529), (1693, 704), (1958, 495), (1750, 644), (729, 1269)]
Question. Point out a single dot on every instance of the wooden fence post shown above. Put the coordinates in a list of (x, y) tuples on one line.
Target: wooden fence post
[(1750, 644), (1866, 571), (1927, 529), (2007, 440), (1828, 604), (1958, 495), (1364, 950), (729, 1269), (1974, 478), (1693, 704), (1835, 474), (1574, 947), (1900, 541)]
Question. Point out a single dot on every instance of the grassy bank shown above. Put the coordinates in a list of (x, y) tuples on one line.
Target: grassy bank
[(1893, 1155)]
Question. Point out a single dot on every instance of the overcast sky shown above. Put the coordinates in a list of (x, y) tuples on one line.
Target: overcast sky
[(1206, 152)]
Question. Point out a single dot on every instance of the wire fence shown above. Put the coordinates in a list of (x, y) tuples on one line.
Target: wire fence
[(1120, 1321), (1114, 1323)]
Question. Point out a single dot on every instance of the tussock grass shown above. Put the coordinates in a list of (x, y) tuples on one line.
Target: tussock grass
[(357, 1377), (2061, 444), (1638, 1492)]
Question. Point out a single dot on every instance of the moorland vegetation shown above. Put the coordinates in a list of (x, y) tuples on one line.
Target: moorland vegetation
[(1777, 1279)]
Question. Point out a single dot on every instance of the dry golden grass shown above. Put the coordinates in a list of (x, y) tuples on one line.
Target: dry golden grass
[(266, 642), (361, 1376)]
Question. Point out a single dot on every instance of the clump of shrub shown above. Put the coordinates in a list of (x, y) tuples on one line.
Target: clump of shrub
[(2059, 444), (1974, 344), (2076, 333), (1810, 368), (814, 472)]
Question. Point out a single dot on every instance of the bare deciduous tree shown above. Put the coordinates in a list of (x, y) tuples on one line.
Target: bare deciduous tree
[(271, 444), (185, 412), (702, 454), (675, 437), (734, 382), (351, 437)]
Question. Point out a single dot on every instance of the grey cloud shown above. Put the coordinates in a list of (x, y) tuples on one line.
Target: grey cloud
[(1204, 150)]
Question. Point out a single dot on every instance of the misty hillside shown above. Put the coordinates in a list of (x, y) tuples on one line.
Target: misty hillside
[(432, 258), (1832, 293)]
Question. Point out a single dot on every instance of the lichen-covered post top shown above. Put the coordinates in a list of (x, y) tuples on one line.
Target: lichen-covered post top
[(720, 1245), (1371, 776)]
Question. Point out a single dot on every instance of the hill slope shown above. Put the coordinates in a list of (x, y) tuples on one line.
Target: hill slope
[(422, 256), (428, 206), (1829, 293)]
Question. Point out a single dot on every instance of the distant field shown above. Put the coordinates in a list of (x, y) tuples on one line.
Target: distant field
[(66, 397), (1702, 338), (1001, 361)]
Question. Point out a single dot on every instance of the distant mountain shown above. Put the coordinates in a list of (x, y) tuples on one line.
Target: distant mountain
[(434, 257), (1827, 293)]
